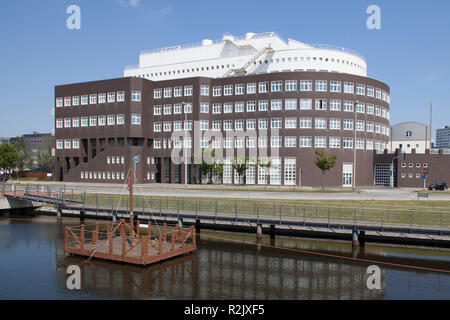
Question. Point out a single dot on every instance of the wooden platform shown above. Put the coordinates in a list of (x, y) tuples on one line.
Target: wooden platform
[(121, 243)]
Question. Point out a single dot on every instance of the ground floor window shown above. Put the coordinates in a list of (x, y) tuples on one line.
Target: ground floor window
[(290, 167), (250, 173), (227, 173), (347, 173), (275, 172)]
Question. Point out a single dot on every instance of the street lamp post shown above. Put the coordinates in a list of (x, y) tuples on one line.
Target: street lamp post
[(184, 145), (354, 149)]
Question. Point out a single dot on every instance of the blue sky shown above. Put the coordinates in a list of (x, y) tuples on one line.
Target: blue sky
[(411, 53)]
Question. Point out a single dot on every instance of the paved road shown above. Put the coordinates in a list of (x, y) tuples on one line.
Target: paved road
[(190, 191)]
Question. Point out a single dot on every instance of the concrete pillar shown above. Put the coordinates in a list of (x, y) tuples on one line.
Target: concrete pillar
[(259, 231), (355, 241), (180, 222)]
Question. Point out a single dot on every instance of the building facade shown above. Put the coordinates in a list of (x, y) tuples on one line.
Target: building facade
[(407, 136), (443, 137), (285, 115)]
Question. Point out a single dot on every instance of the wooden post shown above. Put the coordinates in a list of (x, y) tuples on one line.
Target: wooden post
[(160, 245), (110, 239), (177, 229), (194, 240), (122, 234), (95, 235), (66, 238), (82, 237), (131, 229), (149, 228), (182, 238), (144, 249), (173, 241), (165, 231), (137, 228)]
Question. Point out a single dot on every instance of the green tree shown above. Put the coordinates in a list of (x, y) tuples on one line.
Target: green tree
[(325, 163), (26, 157), (210, 161), (44, 157), (9, 157)]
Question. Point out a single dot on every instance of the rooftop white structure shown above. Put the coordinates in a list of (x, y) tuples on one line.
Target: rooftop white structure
[(250, 54)]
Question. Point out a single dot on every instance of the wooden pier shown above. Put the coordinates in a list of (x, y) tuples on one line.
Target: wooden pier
[(121, 243)]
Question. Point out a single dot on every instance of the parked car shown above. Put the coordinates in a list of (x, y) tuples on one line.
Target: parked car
[(438, 186), (4, 177)]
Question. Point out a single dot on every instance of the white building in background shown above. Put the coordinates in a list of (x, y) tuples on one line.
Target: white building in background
[(251, 54), (443, 137), (410, 135)]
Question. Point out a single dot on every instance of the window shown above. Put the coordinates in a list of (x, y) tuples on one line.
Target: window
[(360, 89), (102, 120), (217, 108), (239, 125), (369, 144), (76, 144), (227, 143), (263, 124), (251, 142), (120, 119), (320, 142), (276, 142), (378, 93), (59, 123), (251, 106), (188, 125), (251, 124), (377, 111), (239, 142), (321, 85), (228, 90), (93, 99), (239, 89), (251, 88), (360, 125), (290, 123), (320, 123), (321, 104), (177, 125), (167, 109), (136, 118), (204, 125), (84, 121), (360, 143), (305, 85), (120, 96), (84, 100), (290, 104), (217, 125), (228, 125), (167, 92), (187, 91), (67, 101), (263, 87), (369, 126), (76, 101), (263, 105), (349, 87), (75, 122), (59, 102), (348, 143), (348, 106), (167, 126), (93, 121), (102, 98), (360, 107), (157, 144), (305, 142), (335, 142), (227, 107), (111, 120), (291, 85), (217, 91), (204, 90), (177, 108), (305, 123), (276, 105), (157, 110), (276, 86), (370, 109), (67, 144), (239, 107), (111, 97), (335, 105), (305, 104), (335, 86), (204, 107), (178, 91), (348, 124), (136, 96), (335, 124), (188, 108), (276, 123), (262, 142), (59, 144), (290, 142), (370, 91)]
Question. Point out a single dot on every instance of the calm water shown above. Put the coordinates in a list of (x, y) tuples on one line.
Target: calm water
[(33, 266)]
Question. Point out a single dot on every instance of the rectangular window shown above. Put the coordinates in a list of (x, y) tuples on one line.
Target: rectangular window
[(239, 125), (349, 87), (321, 85), (276, 123), (263, 105), (228, 125), (111, 97), (93, 121), (276, 86), (239, 89), (370, 91), (305, 123), (59, 102), (204, 125), (217, 108), (76, 101), (84, 121), (348, 106), (76, 144), (369, 126), (305, 142), (59, 123), (290, 171), (305, 85), (204, 107), (348, 124), (335, 124), (67, 101), (320, 142), (217, 125), (290, 123), (290, 142), (370, 109), (59, 144), (263, 124), (305, 104), (360, 125), (369, 144), (321, 104), (204, 90), (188, 125), (251, 88), (320, 123), (67, 122), (227, 143), (167, 109), (335, 142), (67, 144), (167, 92), (290, 104), (335, 86), (157, 110), (239, 107), (187, 91), (188, 108), (93, 99), (228, 90), (217, 91), (75, 122), (178, 91), (120, 119), (111, 120), (177, 108), (227, 107), (262, 142), (102, 98), (251, 106), (360, 107), (290, 85), (360, 144), (276, 142), (251, 142), (157, 93), (360, 89), (335, 105), (136, 95), (177, 125), (167, 126), (348, 143), (136, 118), (276, 105), (239, 142), (121, 96), (251, 124), (378, 93), (263, 87), (102, 120), (84, 100), (157, 144)]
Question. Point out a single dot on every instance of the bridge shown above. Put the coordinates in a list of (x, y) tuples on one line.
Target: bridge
[(415, 226)]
